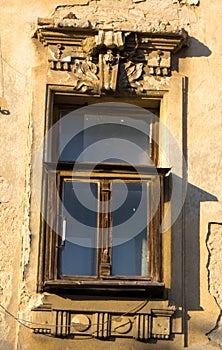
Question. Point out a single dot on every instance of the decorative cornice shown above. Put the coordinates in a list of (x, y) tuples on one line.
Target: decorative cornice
[(156, 40), (106, 60)]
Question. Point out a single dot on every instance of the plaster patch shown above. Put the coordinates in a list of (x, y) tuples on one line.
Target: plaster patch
[(6, 191)]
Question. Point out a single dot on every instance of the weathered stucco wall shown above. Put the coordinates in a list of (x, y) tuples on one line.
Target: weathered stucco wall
[(23, 77)]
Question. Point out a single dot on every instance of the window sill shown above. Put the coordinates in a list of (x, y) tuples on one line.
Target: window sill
[(110, 284)]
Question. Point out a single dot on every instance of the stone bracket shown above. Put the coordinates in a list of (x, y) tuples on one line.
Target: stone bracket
[(105, 325)]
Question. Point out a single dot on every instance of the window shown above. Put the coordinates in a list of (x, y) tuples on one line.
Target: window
[(103, 198)]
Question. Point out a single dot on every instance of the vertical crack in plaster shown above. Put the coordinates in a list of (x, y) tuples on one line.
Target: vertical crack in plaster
[(214, 266), (26, 234)]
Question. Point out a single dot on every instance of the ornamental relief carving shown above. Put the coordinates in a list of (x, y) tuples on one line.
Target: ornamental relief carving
[(85, 76), (156, 324), (110, 61), (112, 72)]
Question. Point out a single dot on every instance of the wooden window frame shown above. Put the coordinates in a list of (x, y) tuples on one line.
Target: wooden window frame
[(48, 277), (53, 240)]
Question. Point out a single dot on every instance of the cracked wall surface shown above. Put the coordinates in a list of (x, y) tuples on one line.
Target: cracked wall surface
[(23, 80)]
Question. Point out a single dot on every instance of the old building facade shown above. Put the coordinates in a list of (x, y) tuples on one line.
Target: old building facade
[(119, 103)]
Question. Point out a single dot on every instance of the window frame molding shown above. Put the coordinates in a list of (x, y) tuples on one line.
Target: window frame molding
[(48, 269)]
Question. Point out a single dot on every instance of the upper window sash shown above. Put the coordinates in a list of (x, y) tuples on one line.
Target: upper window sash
[(93, 138)]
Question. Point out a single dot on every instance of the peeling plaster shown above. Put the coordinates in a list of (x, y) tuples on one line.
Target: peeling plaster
[(25, 294), (214, 267), (26, 234), (119, 18), (121, 15), (187, 2)]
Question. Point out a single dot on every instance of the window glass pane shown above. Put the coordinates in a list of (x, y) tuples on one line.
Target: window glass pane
[(91, 138), (129, 255), (78, 256), (130, 258), (71, 136)]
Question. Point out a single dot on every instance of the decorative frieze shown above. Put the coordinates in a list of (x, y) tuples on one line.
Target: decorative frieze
[(100, 60), (157, 324)]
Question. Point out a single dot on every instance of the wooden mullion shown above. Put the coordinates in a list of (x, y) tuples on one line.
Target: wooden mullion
[(105, 227)]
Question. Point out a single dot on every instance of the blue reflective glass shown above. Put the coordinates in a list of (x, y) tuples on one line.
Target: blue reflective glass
[(129, 254), (91, 138), (79, 220)]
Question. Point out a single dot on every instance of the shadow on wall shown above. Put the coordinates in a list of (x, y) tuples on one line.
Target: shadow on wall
[(185, 240), (185, 250), (195, 48)]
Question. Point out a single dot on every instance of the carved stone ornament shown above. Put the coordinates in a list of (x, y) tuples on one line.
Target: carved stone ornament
[(100, 60), (156, 324)]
